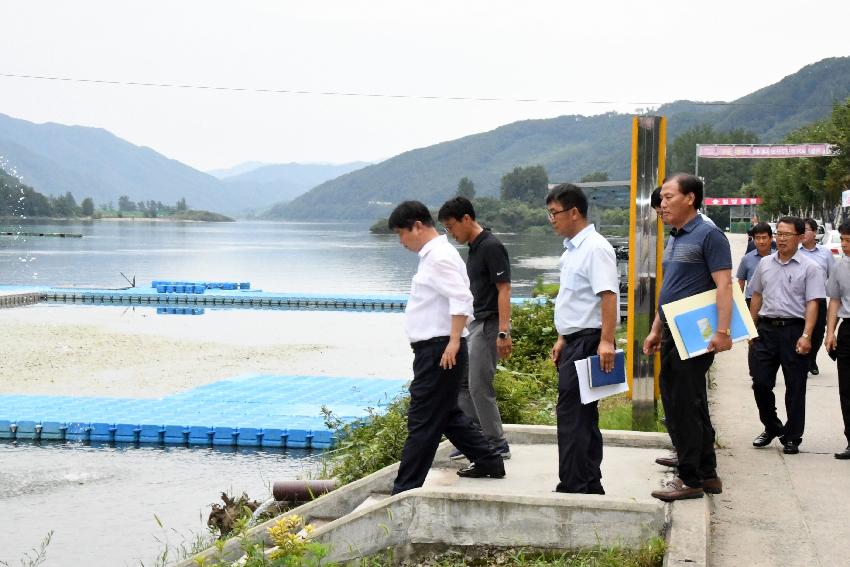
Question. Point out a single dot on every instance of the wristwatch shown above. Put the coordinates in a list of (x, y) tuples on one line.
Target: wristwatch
[(805, 335), (727, 332), (504, 335)]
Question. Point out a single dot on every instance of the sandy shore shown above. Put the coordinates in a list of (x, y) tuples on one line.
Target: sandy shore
[(125, 352)]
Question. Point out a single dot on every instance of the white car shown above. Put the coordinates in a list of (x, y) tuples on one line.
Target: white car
[(832, 240)]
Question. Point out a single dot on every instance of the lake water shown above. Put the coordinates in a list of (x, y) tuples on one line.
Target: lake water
[(286, 257), (105, 505)]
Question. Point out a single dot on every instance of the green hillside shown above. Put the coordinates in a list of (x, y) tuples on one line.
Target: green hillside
[(567, 146)]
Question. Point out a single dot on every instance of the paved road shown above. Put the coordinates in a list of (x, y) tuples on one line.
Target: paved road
[(776, 509)]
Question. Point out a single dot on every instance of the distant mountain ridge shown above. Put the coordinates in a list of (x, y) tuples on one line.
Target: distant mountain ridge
[(92, 162), (567, 146), (286, 181)]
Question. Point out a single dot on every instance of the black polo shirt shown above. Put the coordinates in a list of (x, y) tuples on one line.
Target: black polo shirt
[(487, 265)]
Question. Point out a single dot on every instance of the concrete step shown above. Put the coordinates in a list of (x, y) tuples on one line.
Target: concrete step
[(371, 499)]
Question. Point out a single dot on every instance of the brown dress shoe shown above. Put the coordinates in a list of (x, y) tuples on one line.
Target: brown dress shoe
[(712, 485), (670, 461), (675, 489)]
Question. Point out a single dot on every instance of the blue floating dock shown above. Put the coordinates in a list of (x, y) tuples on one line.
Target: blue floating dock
[(252, 411), (191, 303)]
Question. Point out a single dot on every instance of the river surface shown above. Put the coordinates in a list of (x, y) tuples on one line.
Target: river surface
[(285, 257), (111, 506)]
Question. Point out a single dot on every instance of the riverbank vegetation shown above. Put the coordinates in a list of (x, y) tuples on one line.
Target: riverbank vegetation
[(521, 208), (20, 201)]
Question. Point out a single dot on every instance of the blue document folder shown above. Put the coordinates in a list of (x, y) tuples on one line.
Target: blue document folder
[(599, 378), (698, 326)]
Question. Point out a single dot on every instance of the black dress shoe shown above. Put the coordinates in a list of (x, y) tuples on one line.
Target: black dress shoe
[(477, 471), (843, 455), (813, 369), (764, 439), (790, 448)]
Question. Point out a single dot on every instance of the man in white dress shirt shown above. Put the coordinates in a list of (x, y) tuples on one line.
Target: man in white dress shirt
[(438, 309), (586, 313)]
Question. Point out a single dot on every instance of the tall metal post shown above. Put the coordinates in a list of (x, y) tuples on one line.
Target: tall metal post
[(647, 170)]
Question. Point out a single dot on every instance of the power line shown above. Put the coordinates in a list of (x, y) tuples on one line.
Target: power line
[(384, 95)]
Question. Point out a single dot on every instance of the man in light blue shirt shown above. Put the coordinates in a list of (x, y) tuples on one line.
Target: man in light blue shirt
[(586, 314), (763, 240), (823, 257)]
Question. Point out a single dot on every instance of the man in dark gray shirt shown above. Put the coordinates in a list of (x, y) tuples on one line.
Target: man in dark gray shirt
[(786, 288), (697, 259), (489, 272), (838, 290)]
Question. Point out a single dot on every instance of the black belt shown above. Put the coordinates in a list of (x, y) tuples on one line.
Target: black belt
[(582, 333), (781, 321), (432, 341)]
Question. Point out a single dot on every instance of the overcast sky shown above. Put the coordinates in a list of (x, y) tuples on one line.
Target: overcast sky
[(627, 54)]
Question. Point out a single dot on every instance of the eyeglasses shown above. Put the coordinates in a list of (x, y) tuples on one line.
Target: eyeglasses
[(552, 214), (785, 234)]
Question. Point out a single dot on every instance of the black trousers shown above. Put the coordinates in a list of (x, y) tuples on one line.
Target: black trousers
[(844, 375), (776, 347), (818, 332), (434, 412), (687, 411), (579, 438)]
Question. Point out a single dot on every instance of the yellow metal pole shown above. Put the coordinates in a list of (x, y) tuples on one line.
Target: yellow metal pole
[(630, 321), (659, 239)]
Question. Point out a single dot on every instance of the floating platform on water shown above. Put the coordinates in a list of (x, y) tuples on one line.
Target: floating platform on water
[(54, 234), (253, 411), (17, 299), (233, 299)]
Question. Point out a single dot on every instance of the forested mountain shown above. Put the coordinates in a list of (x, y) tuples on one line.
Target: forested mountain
[(57, 159), (568, 147)]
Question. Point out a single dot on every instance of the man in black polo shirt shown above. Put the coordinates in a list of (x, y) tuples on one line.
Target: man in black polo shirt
[(489, 273), (697, 259)]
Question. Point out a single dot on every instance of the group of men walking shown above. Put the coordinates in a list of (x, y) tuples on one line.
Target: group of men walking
[(458, 324)]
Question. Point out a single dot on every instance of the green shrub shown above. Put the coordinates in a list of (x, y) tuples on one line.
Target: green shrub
[(370, 443)]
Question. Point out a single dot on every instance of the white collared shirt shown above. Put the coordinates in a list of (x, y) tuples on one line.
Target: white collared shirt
[(439, 290), (588, 267)]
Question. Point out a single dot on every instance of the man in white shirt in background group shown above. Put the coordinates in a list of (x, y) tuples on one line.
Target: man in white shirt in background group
[(438, 309)]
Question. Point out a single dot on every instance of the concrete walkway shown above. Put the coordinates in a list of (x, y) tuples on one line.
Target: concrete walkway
[(776, 509)]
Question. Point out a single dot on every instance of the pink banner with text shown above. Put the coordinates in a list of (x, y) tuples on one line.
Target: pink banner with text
[(761, 151), (729, 201)]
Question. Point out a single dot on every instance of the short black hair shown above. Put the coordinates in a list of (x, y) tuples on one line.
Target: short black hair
[(455, 208), (407, 213), (569, 196), (796, 222), (689, 184), (844, 228), (813, 224), (761, 228), (655, 198)]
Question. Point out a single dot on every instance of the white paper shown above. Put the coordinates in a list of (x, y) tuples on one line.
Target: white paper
[(588, 394)]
